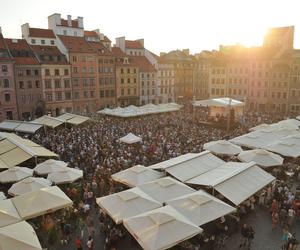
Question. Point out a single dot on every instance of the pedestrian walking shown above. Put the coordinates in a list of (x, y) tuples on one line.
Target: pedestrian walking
[(244, 235), (78, 243), (90, 243)]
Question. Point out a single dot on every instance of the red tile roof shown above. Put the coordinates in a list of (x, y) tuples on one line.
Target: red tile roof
[(49, 51), (90, 33), (117, 52), (106, 39), (143, 64), (64, 22), (21, 46), (43, 33), (133, 45), (4, 54), (76, 44), (100, 48)]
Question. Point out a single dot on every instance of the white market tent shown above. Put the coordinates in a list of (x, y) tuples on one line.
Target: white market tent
[(15, 174), (205, 161), (173, 161), (259, 127), (285, 148), (8, 213), (14, 150), (161, 228), (201, 207), (222, 147), (165, 189), (42, 201), (130, 139), (235, 181), (298, 117), (128, 203), (67, 175), (28, 185), (19, 236), (133, 111), (50, 166), (261, 157), (136, 175), (49, 121), (73, 119), (20, 126)]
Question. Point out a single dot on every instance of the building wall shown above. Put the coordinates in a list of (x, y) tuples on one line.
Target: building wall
[(148, 88), (166, 83), (29, 91), (54, 23), (8, 104), (57, 88)]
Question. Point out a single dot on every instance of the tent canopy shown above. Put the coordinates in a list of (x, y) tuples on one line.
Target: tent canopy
[(130, 138), (15, 174), (284, 147), (201, 207), (20, 126), (49, 121), (236, 181), (126, 204), (8, 213), (222, 147), (261, 157), (50, 166), (203, 162), (73, 119), (67, 175), (19, 236), (161, 228), (219, 102), (42, 201), (2, 196), (136, 175), (165, 189)]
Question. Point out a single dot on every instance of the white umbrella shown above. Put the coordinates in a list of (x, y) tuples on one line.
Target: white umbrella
[(8, 213), (130, 139), (2, 196), (127, 203), (42, 201), (261, 157), (201, 207), (28, 185), (50, 166), (136, 175), (19, 236), (15, 174), (222, 147), (260, 126), (161, 228), (68, 175)]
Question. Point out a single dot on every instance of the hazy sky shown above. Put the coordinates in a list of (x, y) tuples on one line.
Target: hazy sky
[(164, 24)]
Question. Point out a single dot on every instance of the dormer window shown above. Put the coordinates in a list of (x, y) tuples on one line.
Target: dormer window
[(126, 61), (52, 42), (43, 42), (33, 41)]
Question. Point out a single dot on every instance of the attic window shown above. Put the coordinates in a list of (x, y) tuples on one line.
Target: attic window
[(14, 40)]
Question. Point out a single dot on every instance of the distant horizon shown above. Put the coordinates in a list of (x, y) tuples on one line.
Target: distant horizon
[(192, 25)]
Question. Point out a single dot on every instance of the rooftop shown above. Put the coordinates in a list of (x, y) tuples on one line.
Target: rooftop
[(133, 45), (76, 44), (42, 33)]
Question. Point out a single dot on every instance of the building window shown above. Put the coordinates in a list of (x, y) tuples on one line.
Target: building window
[(58, 96), (33, 41), (5, 83), (107, 93), (102, 93), (21, 84), (112, 93), (122, 92), (43, 42), (122, 80), (57, 84), (128, 70), (75, 82), (92, 93), (28, 72), (67, 83), (29, 84), (128, 80), (47, 72), (76, 95), (4, 68), (128, 91), (64, 32), (48, 97), (66, 72), (85, 94), (52, 42), (68, 95), (74, 59), (7, 97), (122, 70), (37, 84), (56, 72), (48, 84), (75, 70)]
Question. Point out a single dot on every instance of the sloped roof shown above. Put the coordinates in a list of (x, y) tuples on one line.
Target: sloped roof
[(64, 22), (90, 33), (49, 51), (100, 48), (144, 64), (76, 44), (43, 33), (133, 45), (116, 51)]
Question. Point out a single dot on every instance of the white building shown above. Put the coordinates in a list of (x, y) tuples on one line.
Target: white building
[(65, 27)]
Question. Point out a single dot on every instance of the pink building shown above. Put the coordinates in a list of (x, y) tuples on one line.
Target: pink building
[(8, 104)]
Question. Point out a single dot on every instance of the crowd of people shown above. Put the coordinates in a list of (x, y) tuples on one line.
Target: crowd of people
[(95, 148)]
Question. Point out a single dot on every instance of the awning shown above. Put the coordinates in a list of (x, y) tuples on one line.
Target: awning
[(161, 228), (201, 207), (73, 119), (50, 166), (49, 121), (165, 189), (128, 203), (20, 126), (8, 213), (205, 161), (236, 181), (136, 175), (219, 102), (15, 174), (42, 201), (285, 148), (67, 175), (222, 147), (19, 236)]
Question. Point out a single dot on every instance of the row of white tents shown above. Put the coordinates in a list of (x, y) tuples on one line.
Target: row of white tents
[(32, 127), (133, 111)]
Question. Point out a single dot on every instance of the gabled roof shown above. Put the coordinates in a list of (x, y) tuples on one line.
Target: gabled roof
[(143, 63), (76, 44), (133, 45), (100, 48), (117, 52), (90, 33), (64, 22), (4, 53), (106, 39), (42, 51), (21, 52), (43, 33)]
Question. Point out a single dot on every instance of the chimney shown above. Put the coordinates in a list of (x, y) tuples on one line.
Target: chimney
[(80, 22), (69, 20), (141, 41), (25, 30)]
